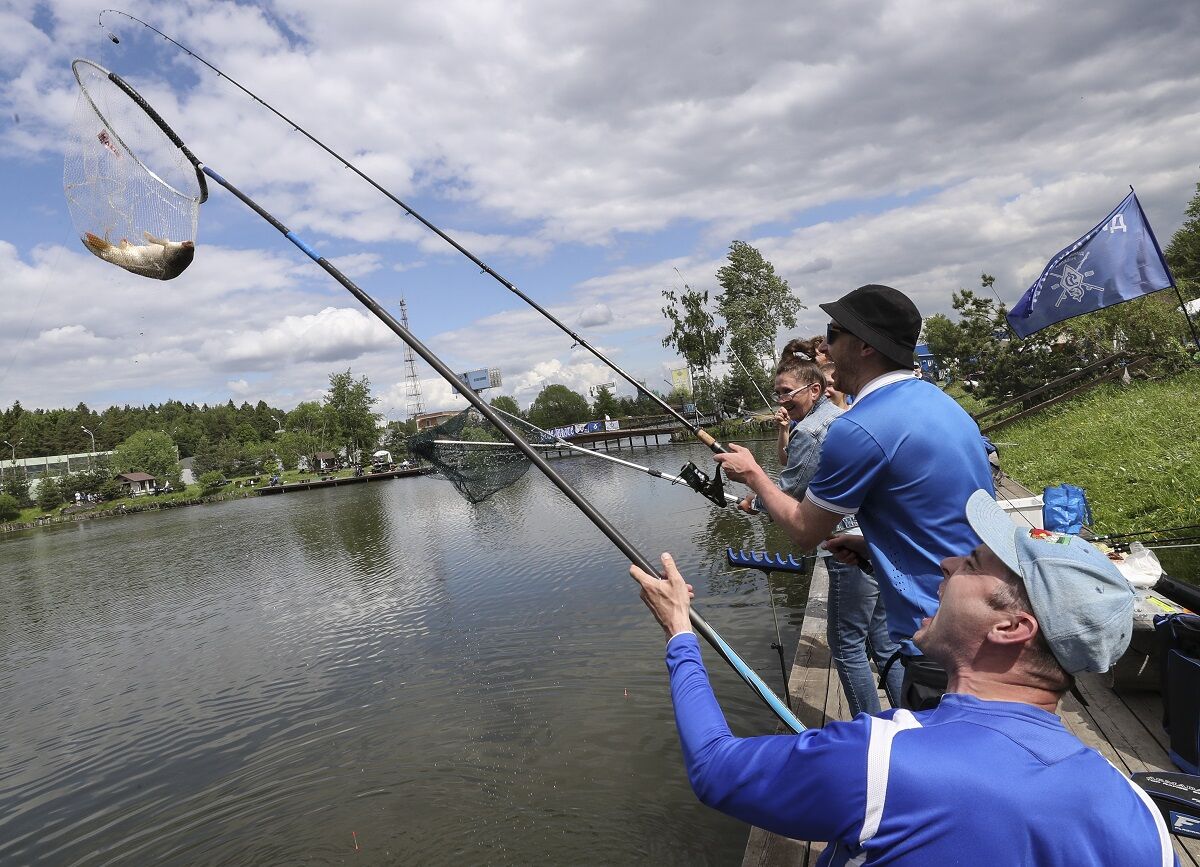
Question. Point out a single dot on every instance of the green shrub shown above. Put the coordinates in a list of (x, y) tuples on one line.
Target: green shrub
[(9, 507), (49, 494), (210, 481)]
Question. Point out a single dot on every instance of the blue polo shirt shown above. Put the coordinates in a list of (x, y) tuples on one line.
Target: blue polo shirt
[(905, 458), (971, 782)]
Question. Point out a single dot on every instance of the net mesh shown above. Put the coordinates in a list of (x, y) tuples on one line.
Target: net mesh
[(473, 454), (133, 194)]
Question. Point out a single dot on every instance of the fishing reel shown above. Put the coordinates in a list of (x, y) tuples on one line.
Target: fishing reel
[(699, 481)]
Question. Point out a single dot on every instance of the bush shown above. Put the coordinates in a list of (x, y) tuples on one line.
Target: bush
[(16, 483), (210, 481), (9, 507), (49, 494), (110, 489)]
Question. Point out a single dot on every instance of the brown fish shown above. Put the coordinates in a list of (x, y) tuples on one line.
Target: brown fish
[(158, 258)]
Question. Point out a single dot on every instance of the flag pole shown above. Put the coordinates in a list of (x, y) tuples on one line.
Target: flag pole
[(1183, 307), (1182, 304)]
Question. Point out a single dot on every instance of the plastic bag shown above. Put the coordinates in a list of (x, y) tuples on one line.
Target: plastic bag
[(1065, 509)]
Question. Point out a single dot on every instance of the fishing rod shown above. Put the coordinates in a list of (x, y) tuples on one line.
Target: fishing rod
[(110, 90), (562, 443), (694, 476), (1105, 538)]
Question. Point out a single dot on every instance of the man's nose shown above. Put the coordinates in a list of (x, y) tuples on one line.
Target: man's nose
[(950, 565)]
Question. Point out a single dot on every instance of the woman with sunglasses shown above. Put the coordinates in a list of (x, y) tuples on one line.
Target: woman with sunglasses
[(856, 619)]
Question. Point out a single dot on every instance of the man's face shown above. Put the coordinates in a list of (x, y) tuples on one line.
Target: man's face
[(965, 615), (842, 348)]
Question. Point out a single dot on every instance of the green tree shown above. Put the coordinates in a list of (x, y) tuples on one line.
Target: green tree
[(605, 404), (556, 406), (755, 303), (9, 507), (943, 338), (506, 404), (16, 485), (1183, 253), (349, 403), (395, 437), (49, 494), (210, 481), (694, 332), (150, 452)]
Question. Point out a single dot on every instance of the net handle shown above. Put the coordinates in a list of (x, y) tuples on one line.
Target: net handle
[(699, 432), (152, 114), (701, 626)]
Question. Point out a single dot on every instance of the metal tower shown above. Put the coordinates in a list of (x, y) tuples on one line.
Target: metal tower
[(412, 385)]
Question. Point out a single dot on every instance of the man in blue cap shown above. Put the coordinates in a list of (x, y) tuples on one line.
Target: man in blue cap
[(988, 777), (903, 459)]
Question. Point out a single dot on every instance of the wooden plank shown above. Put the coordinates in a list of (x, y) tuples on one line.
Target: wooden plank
[(808, 681), (808, 685)]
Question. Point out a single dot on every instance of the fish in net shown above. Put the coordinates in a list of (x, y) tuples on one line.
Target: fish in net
[(135, 207), (473, 454)]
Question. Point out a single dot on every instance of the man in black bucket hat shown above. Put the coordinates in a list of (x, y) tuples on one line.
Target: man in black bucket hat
[(882, 317), (904, 458)]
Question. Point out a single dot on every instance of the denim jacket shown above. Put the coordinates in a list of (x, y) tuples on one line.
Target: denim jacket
[(804, 449)]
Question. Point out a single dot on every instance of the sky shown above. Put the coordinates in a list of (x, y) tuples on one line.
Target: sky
[(594, 155)]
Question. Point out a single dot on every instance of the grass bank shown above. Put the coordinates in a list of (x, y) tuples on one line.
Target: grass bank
[(1133, 449)]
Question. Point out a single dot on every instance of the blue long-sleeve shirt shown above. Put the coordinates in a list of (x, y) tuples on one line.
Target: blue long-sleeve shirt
[(971, 782)]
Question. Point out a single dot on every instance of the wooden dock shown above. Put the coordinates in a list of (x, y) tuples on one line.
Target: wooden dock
[(1124, 726)]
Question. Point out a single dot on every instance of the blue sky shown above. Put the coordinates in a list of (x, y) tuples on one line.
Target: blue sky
[(585, 152)]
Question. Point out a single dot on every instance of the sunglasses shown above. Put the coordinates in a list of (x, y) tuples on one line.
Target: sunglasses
[(832, 331), (785, 396)]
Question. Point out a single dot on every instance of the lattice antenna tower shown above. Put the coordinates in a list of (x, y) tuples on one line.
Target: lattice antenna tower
[(412, 385)]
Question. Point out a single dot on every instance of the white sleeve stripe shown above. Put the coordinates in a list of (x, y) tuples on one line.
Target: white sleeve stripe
[(828, 506), (879, 761), (1160, 825)]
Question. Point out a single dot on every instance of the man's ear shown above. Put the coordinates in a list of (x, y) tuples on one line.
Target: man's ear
[(1013, 627)]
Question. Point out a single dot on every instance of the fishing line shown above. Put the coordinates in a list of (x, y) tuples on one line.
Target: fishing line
[(106, 88), (750, 377), (562, 443), (695, 429)]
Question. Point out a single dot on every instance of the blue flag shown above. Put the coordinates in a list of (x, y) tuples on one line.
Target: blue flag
[(1116, 261)]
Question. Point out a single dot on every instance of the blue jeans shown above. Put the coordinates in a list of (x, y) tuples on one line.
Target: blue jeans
[(856, 617)]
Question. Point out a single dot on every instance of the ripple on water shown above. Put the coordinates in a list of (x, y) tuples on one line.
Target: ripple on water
[(250, 682)]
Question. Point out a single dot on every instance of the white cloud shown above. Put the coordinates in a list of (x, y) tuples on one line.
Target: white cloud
[(585, 152)]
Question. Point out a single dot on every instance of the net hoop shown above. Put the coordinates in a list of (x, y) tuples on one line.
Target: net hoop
[(151, 113)]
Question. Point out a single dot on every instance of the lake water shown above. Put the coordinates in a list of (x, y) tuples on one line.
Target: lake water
[(280, 680)]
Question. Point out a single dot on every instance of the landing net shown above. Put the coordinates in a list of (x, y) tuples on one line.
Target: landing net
[(473, 454), (125, 179)]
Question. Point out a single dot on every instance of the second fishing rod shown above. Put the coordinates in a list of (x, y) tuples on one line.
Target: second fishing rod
[(711, 487)]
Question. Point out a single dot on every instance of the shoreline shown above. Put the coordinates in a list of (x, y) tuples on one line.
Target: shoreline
[(151, 503)]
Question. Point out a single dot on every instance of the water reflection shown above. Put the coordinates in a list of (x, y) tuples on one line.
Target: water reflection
[(250, 682)]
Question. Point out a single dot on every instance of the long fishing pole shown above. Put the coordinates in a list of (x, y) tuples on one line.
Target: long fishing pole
[(695, 429), (562, 443), (1146, 532), (701, 626)]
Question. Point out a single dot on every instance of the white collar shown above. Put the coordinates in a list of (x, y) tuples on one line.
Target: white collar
[(890, 378)]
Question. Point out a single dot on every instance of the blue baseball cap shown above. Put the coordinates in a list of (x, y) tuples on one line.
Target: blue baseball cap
[(1083, 605)]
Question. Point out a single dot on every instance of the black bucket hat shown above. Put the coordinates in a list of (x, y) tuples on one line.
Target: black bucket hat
[(881, 317)]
